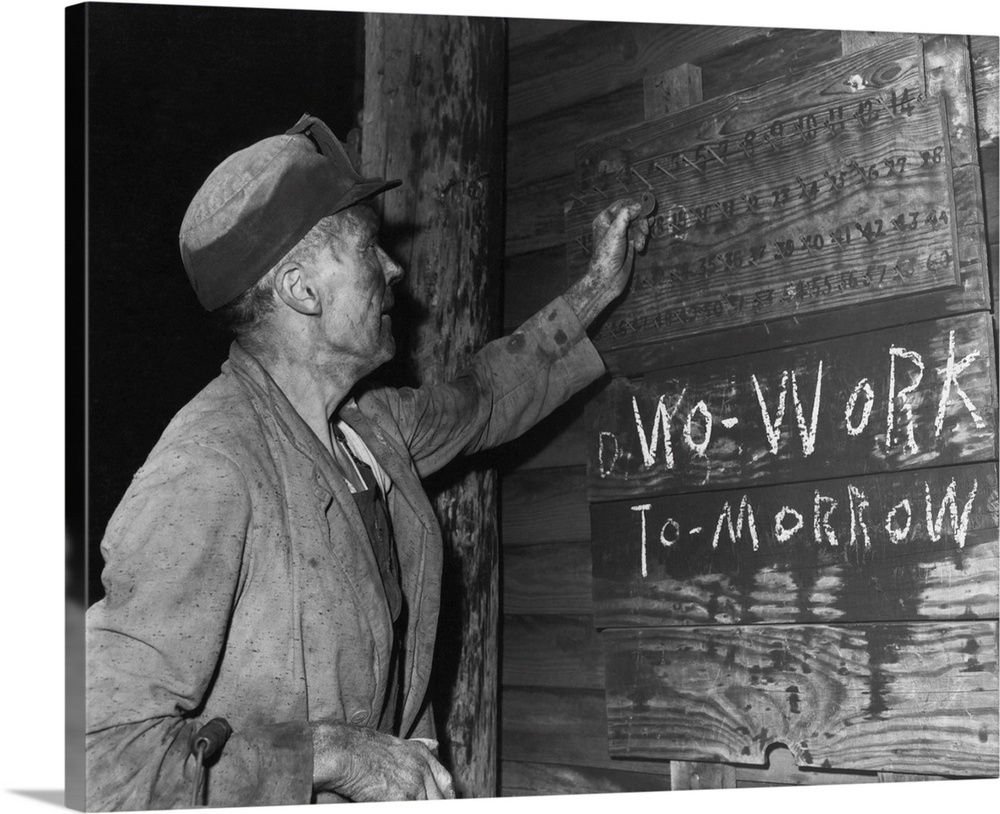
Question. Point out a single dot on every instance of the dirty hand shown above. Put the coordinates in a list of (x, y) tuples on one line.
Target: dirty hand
[(615, 245), (366, 765)]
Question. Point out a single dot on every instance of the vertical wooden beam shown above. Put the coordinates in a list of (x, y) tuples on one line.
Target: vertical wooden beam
[(433, 116)]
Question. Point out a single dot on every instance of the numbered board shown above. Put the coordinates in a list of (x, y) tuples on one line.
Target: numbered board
[(816, 209)]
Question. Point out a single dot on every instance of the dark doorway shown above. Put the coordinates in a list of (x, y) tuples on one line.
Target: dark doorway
[(171, 91)]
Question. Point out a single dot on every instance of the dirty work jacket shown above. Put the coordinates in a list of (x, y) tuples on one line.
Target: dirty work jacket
[(240, 583)]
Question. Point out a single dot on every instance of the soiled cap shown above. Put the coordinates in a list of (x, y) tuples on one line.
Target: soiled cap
[(261, 201)]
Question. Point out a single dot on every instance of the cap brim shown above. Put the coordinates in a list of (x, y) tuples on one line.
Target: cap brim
[(364, 190)]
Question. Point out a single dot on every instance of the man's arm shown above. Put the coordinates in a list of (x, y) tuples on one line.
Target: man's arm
[(514, 382), (611, 266)]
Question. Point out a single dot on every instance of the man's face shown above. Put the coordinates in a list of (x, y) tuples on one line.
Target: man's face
[(358, 276)]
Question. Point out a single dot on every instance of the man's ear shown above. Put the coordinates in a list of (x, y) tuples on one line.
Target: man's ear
[(296, 289)]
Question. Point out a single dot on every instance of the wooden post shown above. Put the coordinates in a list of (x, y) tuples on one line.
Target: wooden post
[(434, 117)]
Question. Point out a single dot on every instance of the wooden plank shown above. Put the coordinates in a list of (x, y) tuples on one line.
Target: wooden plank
[(806, 552), (670, 90), (991, 191), (551, 651), (871, 402), (782, 770), (564, 726), (524, 31), (902, 777), (530, 284), (542, 148), (555, 442), (787, 51), (535, 218), (973, 295), (545, 506), (854, 41), (986, 84), (518, 778), (552, 578), (887, 697), (600, 58), (688, 775)]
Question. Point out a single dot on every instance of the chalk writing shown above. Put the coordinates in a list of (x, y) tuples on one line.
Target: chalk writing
[(950, 501), (772, 427), (898, 535), (865, 387), (901, 400), (685, 421), (852, 531), (951, 373), (736, 530)]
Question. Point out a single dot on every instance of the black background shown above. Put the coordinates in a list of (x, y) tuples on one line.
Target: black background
[(170, 91)]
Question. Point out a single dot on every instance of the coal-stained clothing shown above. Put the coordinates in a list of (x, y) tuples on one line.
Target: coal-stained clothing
[(240, 581)]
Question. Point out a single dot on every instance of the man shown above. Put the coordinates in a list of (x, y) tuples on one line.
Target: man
[(275, 561)]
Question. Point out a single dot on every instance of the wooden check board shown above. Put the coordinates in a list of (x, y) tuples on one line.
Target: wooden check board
[(818, 209)]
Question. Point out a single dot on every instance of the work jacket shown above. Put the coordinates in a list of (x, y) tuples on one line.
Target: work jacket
[(240, 582)]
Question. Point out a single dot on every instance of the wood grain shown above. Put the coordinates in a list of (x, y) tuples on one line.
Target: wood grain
[(785, 52), (986, 83), (562, 726), (670, 90), (550, 578), (906, 698), (841, 564), (545, 506), (523, 31), (861, 371), (689, 775), (535, 219), (599, 58), (551, 651), (541, 149), (518, 779)]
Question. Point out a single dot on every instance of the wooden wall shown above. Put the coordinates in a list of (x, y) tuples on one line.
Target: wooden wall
[(568, 82)]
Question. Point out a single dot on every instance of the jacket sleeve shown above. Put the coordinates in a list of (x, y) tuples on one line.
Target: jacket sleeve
[(511, 384), (153, 646)]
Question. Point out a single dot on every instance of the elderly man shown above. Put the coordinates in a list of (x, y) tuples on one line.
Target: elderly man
[(275, 562)]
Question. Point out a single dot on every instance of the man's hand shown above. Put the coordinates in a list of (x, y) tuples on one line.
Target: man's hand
[(365, 765), (611, 264)]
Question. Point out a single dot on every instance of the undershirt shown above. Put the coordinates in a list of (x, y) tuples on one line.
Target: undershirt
[(371, 504)]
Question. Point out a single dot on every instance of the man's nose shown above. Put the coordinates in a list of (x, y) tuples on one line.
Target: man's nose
[(392, 270)]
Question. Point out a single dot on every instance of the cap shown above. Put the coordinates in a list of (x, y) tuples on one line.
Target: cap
[(258, 203)]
